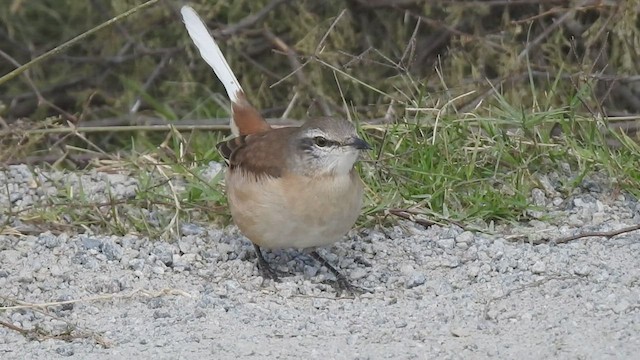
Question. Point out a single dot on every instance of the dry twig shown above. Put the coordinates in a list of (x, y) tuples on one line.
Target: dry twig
[(605, 234)]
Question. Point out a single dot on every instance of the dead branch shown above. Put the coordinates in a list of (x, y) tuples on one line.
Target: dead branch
[(411, 216), (605, 234)]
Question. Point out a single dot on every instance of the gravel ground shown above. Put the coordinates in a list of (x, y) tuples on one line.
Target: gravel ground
[(438, 292)]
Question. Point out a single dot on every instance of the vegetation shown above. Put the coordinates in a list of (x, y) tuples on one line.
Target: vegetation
[(466, 104)]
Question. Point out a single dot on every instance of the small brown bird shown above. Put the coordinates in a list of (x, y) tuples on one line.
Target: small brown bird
[(292, 187)]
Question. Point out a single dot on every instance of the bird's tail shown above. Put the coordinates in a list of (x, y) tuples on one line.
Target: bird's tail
[(246, 119)]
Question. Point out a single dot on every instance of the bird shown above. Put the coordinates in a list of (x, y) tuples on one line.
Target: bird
[(289, 187)]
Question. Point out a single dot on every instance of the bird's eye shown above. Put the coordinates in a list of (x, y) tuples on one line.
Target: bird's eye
[(320, 141)]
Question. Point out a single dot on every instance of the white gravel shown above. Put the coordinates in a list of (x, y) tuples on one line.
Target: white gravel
[(437, 292)]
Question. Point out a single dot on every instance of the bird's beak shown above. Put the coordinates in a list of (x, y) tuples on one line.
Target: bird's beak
[(358, 143)]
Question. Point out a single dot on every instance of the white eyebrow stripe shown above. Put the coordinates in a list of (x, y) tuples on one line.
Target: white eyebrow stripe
[(315, 132)]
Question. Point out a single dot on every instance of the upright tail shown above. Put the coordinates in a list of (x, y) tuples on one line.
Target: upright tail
[(246, 119)]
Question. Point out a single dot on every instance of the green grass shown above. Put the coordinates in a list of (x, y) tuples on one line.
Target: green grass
[(481, 168)]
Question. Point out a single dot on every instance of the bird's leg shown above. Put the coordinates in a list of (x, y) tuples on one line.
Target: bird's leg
[(341, 284), (266, 270)]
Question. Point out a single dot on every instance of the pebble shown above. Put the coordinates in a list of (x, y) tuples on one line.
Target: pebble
[(136, 264), (582, 270), (466, 237), (65, 351), (11, 256), (187, 244), (473, 271), (50, 241), (111, 250), (538, 267), (621, 306), (414, 280), (358, 273), (91, 243), (191, 229), (447, 243), (538, 197), (164, 252)]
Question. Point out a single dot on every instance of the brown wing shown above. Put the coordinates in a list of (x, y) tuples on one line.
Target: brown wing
[(259, 154)]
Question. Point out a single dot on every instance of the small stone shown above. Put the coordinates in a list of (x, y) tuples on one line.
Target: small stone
[(466, 237), (414, 280), (400, 324), (156, 303), (108, 286), (598, 218), (459, 332), (483, 256), (485, 269), (358, 273), (112, 250), (473, 271), (67, 306), (578, 202), (574, 221), (310, 271), (492, 314), (25, 276), (538, 197), (136, 264), (164, 252), (183, 262), (56, 270), (539, 267), (10, 256), (91, 243), (582, 270), (591, 185), (447, 243), (58, 326), (496, 250), (187, 245), (50, 241), (406, 269), (65, 351), (191, 229), (621, 306), (161, 314), (546, 184)]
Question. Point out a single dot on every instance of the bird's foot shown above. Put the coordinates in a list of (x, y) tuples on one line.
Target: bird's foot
[(266, 270), (341, 285)]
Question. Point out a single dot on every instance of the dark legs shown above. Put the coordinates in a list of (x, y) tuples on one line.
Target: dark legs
[(342, 284), (266, 270)]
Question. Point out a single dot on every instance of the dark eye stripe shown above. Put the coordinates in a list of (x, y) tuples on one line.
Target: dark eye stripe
[(308, 144)]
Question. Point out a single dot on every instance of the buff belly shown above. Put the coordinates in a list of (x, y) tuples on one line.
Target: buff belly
[(294, 211)]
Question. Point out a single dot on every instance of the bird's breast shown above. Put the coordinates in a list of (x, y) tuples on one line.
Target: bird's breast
[(294, 211)]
